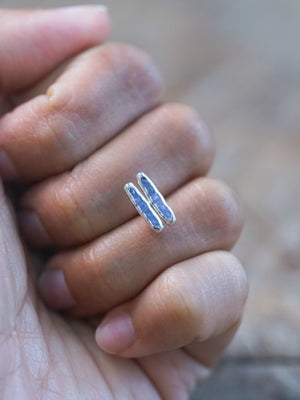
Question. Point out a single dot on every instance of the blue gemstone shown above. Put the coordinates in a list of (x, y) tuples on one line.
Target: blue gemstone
[(156, 198), (144, 207), (164, 209)]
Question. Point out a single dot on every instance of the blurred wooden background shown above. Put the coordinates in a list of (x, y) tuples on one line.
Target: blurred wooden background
[(239, 64)]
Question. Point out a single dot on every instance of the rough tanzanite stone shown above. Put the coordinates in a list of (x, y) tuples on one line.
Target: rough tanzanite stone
[(156, 198), (143, 207)]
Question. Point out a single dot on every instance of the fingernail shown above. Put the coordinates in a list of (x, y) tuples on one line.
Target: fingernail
[(33, 229), (116, 332), (7, 169), (54, 290)]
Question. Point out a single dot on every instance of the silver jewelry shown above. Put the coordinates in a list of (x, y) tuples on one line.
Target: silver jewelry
[(152, 206)]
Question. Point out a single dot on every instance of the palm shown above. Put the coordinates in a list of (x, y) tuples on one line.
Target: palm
[(50, 356)]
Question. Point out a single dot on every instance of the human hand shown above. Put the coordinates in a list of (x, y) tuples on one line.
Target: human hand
[(99, 124)]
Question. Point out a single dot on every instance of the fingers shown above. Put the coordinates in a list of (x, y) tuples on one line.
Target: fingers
[(118, 265), (100, 93), (191, 302), (171, 144), (33, 42)]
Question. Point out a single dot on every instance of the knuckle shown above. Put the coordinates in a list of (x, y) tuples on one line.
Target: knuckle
[(235, 273), (49, 136), (138, 70), (63, 201), (62, 131), (226, 209), (57, 128), (71, 210), (190, 133), (57, 99), (176, 293)]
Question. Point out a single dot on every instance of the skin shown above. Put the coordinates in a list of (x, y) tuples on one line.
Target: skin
[(145, 315)]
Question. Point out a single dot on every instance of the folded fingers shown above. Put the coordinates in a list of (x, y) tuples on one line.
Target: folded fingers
[(120, 264), (171, 144)]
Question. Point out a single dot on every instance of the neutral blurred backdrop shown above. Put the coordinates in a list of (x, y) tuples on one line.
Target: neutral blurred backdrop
[(238, 63)]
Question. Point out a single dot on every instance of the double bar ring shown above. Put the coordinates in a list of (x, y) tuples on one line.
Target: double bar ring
[(152, 207)]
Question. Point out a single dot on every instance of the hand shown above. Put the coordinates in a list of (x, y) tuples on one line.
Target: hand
[(172, 301)]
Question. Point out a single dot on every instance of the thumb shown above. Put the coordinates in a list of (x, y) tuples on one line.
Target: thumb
[(13, 275), (33, 42)]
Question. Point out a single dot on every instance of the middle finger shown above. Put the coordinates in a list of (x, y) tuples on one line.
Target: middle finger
[(171, 144)]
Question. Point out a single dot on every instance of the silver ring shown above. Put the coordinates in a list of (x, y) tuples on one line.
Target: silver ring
[(153, 206)]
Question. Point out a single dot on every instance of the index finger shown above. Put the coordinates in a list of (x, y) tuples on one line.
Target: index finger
[(34, 42)]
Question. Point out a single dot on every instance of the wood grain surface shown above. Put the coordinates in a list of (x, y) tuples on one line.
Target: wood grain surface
[(238, 63)]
